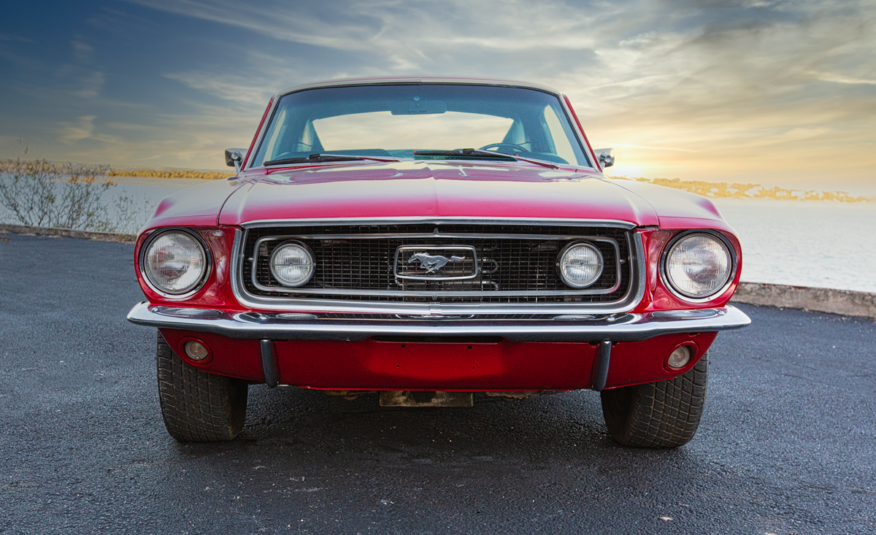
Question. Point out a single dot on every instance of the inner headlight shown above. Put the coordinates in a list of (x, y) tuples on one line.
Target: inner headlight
[(175, 262), (292, 264), (698, 266), (581, 265)]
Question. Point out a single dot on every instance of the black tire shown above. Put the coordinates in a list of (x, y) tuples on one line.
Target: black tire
[(665, 414), (198, 406)]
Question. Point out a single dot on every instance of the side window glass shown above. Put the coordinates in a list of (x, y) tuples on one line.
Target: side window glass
[(517, 136), (270, 153), (557, 137), (309, 141)]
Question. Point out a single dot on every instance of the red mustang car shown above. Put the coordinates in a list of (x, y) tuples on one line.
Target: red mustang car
[(427, 239)]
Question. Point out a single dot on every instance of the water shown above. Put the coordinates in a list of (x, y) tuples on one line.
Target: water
[(824, 245), (151, 190), (141, 196)]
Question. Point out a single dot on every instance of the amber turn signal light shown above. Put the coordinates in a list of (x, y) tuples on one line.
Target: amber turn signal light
[(196, 350), (679, 358)]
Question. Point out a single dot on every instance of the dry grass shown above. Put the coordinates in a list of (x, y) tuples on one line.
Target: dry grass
[(718, 190), (41, 193), (171, 174), (723, 190)]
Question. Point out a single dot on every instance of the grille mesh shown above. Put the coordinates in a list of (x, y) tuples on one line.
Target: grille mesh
[(521, 264)]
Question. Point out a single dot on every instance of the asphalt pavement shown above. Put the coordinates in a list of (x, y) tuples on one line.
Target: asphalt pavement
[(787, 444)]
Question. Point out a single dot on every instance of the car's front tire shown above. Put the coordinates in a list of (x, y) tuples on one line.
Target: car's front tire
[(665, 414), (198, 406)]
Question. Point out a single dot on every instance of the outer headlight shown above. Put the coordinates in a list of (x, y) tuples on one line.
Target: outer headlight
[(292, 264), (580, 265), (698, 266), (175, 262)]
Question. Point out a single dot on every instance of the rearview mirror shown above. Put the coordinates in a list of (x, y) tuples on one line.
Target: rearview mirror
[(234, 158), (418, 107), (605, 157)]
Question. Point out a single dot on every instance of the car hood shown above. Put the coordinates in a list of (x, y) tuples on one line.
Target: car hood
[(419, 189), (197, 206)]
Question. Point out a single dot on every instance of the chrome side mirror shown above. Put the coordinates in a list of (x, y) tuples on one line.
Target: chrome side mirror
[(234, 158), (605, 157)]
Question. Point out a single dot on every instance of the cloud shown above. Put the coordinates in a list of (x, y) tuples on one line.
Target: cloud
[(74, 132), (839, 79), (14, 38), (91, 85), (118, 23), (277, 19), (662, 59), (402, 35), (16, 58), (12, 53), (82, 51), (238, 89), (84, 130), (671, 149), (691, 87), (192, 140)]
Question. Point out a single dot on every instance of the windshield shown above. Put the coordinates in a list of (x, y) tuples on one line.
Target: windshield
[(397, 120)]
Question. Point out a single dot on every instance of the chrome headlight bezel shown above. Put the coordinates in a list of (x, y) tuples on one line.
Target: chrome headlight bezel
[(303, 247), (562, 256), (670, 247), (208, 261)]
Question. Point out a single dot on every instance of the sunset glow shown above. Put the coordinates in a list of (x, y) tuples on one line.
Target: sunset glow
[(772, 92)]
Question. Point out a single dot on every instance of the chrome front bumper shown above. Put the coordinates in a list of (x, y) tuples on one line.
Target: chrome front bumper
[(276, 326)]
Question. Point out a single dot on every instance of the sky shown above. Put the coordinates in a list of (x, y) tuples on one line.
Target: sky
[(776, 92)]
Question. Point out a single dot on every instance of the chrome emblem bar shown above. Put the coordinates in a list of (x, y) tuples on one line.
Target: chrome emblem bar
[(426, 262), (433, 263)]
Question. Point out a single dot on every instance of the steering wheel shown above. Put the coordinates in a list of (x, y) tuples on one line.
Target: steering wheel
[(514, 147)]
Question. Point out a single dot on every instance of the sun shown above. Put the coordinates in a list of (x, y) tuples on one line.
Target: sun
[(633, 171)]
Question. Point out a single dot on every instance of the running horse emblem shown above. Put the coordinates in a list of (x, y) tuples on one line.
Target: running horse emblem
[(433, 263)]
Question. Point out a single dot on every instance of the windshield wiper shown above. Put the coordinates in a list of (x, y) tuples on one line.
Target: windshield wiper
[(483, 154), (468, 153), (538, 162), (465, 152), (317, 158)]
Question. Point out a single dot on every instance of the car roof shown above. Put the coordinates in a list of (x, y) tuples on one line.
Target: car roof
[(418, 80)]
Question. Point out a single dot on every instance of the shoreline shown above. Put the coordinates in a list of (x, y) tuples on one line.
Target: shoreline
[(174, 183), (866, 202)]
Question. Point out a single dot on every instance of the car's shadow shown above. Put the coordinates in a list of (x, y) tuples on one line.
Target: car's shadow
[(564, 427), (304, 452)]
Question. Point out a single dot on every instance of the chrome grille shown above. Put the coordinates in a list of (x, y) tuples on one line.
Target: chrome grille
[(516, 263)]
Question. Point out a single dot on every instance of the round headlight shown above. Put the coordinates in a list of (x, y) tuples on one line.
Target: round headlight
[(581, 265), (698, 266), (175, 262), (292, 264)]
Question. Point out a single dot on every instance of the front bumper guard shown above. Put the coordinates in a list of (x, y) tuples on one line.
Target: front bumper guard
[(628, 327)]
